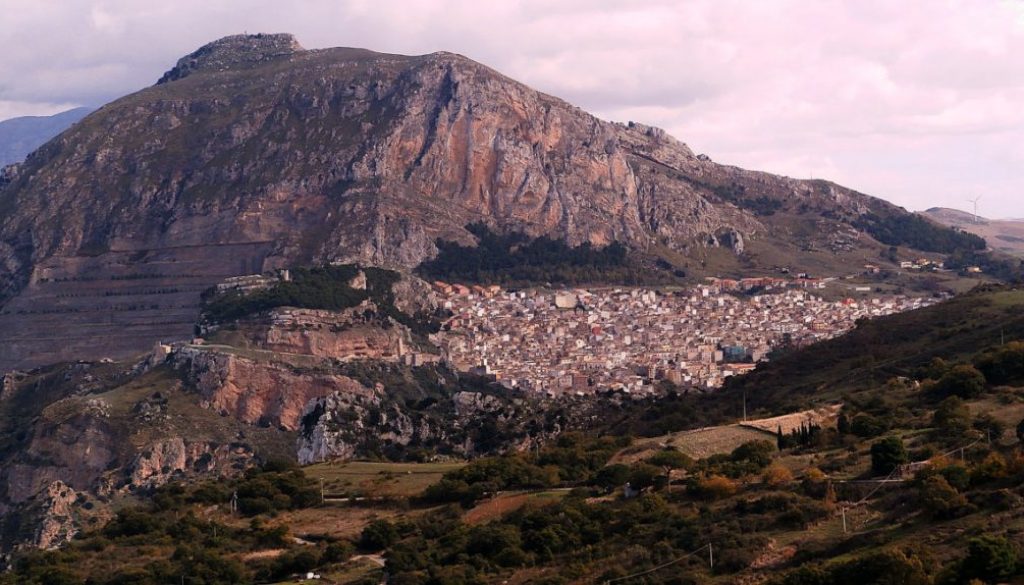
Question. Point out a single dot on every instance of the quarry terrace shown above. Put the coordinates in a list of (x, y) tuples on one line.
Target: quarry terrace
[(580, 341)]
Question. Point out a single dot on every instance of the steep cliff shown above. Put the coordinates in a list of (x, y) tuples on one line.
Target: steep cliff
[(253, 154)]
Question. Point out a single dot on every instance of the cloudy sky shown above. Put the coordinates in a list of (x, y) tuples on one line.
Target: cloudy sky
[(917, 101)]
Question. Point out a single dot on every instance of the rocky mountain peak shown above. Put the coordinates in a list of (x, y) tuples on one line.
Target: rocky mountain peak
[(233, 51), (274, 156)]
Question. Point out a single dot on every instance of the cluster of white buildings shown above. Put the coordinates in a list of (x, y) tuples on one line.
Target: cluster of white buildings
[(581, 341)]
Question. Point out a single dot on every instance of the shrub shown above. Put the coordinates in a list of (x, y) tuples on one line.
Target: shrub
[(777, 475), (939, 499), (992, 467), (952, 418), (989, 558), (715, 487), (1004, 364)]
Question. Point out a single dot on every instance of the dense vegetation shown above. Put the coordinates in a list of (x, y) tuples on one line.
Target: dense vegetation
[(573, 459), (325, 287), (1003, 268), (517, 259), (914, 231), (167, 541), (878, 350)]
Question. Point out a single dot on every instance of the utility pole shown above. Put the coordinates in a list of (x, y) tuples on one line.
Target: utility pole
[(711, 556), (744, 405), (975, 202), (844, 519), (321, 491)]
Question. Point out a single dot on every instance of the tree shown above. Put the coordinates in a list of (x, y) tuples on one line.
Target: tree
[(642, 475), (671, 458), (715, 487), (1003, 365), (887, 454), (867, 426), (612, 476), (989, 558), (378, 535), (842, 424), (757, 452), (952, 418), (964, 381)]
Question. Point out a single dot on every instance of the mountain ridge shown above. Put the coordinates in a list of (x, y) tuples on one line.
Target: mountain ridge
[(254, 155), (1003, 235), (22, 135)]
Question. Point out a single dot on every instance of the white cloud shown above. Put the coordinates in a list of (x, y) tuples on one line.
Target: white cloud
[(916, 101)]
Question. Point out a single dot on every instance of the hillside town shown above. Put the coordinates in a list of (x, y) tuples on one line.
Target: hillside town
[(580, 341)]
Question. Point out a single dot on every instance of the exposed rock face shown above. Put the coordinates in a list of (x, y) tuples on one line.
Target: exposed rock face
[(178, 457), (343, 426), (341, 335), (91, 433), (258, 393), (253, 154), (76, 450), (232, 53), (57, 525)]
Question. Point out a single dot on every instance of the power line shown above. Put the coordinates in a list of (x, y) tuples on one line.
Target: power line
[(662, 566)]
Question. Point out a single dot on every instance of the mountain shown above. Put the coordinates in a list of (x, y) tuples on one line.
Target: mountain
[(253, 154), (1003, 235), (20, 136)]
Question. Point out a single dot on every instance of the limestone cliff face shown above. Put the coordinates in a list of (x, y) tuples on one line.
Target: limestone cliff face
[(252, 153), (255, 392), (341, 335), (57, 526)]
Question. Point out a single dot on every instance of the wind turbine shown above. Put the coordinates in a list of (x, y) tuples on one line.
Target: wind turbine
[(975, 202)]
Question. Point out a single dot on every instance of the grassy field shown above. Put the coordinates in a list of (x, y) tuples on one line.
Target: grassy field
[(354, 571), (378, 479), (788, 423), (698, 443), (508, 502)]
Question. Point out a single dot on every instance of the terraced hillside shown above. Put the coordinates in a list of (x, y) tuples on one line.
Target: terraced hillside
[(115, 305)]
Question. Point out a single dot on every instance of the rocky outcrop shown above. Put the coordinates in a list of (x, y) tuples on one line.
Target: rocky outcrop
[(178, 458), (259, 393), (341, 426), (56, 522), (233, 52), (340, 335), (77, 450)]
